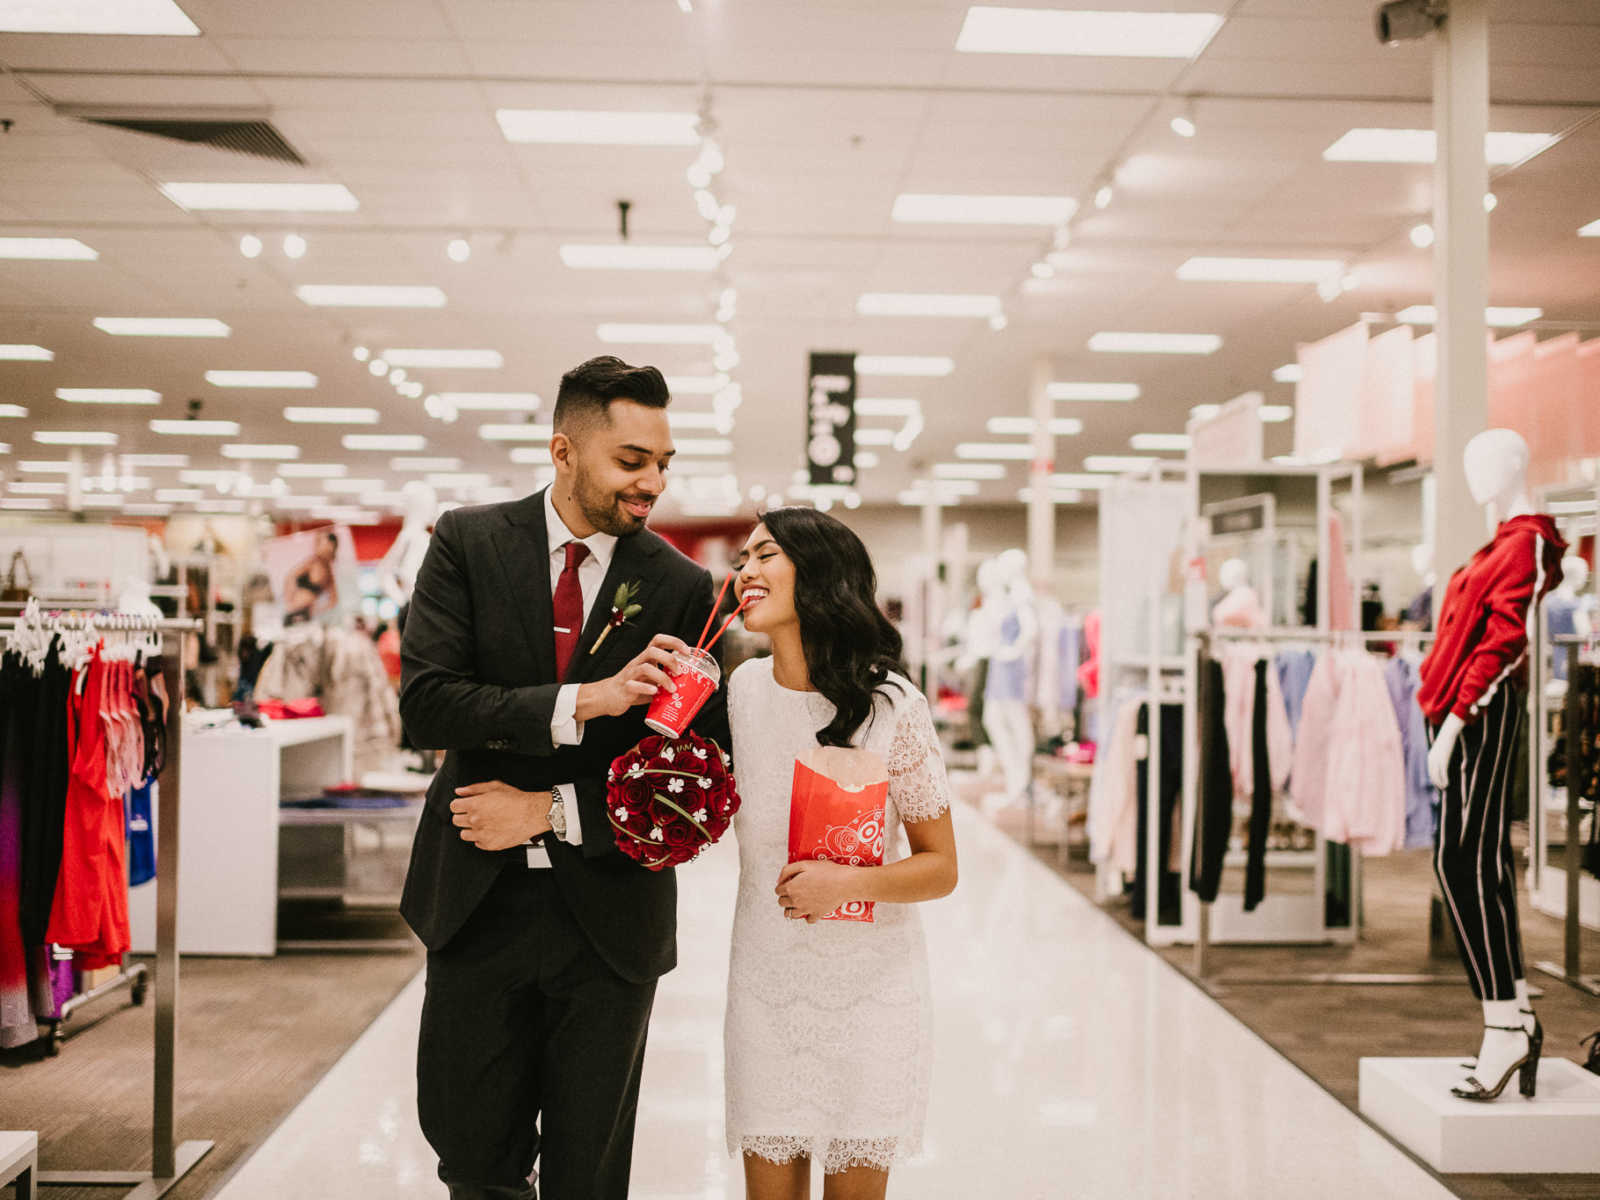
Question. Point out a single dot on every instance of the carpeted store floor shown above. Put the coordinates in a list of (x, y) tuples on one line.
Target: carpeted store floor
[(1326, 1029), (255, 1035)]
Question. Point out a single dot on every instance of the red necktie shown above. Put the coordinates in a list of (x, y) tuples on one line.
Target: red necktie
[(568, 608)]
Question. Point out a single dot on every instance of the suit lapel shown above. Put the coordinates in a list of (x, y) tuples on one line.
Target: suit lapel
[(629, 564), (524, 547)]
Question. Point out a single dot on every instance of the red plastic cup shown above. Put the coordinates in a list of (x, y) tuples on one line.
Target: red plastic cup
[(696, 681)]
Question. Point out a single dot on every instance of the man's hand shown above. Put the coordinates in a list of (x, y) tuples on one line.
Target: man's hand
[(812, 889), (636, 683), (497, 816)]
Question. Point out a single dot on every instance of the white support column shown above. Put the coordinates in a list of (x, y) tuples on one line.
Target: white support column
[(1041, 508), (1461, 271), (931, 589)]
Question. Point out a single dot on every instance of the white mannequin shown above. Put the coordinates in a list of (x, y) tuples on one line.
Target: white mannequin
[(1005, 707), (1496, 464), (398, 570), (1422, 563), (1574, 576), (1240, 606)]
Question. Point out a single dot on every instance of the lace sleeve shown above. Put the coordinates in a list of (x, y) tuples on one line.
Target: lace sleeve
[(918, 785)]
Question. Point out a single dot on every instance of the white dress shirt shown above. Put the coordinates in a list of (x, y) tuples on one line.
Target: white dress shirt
[(565, 728)]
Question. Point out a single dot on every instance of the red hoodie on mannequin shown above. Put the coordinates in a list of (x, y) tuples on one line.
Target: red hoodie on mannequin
[(1483, 622)]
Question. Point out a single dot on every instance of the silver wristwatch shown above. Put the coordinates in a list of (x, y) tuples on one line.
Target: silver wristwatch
[(558, 813)]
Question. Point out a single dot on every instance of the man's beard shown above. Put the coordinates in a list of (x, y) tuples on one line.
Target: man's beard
[(604, 511)]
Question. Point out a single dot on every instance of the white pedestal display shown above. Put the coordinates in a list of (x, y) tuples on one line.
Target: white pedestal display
[(1409, 1099)]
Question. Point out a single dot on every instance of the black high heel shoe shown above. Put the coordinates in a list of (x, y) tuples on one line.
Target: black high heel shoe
[(1526, 1067)]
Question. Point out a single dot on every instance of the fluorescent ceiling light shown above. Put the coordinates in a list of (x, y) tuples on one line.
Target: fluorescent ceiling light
[(640, 258), (1421, 146), (397, 442), (1205, 412), (532, 456), (347, 487), (924, 499), (703, 447), (179, 495), (424, 464), (994, 30), (196, 428), (874, 437), (261, 379), (1059, 426), (926, 304), (39, 488), (1160, 441), (1261, 270), (458, 479), (151, 18), (1054, 495), (516, 433), (291, 500), (699, 420), (904, 364), (1500, 318), (312, 470), (458, 359), (880, 406), (108, 395), (932, 208), (196, 327), (576, 127), (1276, 414), (261, 450), (1076, 481), (338, 295), (969, 470), (39, 467), (19, 353), (26, 504), (73, 437), (146, 509), (261, 197), (662, 335), (1117, 463), (1101, 392), (1017, 451), (1155, 343), (696, 385), (209, 478), (1288, 373), (155, 460), (866, 460), (491, 401), (331, 416), (53, 249), (13, 410), (1592, 229)]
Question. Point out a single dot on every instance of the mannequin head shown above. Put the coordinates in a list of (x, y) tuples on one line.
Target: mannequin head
[(1013, 566), (1422, 560), (422, 504), (991, 579), (1235, 573), (1574, 574), (1496, 464)]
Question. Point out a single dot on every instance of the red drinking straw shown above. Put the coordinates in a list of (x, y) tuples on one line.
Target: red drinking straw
[(731, 617), (712, 615)]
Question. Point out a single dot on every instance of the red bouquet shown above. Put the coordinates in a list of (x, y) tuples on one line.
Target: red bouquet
[(670, 798)]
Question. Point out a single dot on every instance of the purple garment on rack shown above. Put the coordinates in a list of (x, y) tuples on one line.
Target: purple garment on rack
[(1422, 801)]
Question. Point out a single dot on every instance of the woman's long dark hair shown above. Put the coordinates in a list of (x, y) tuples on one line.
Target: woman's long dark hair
[(850, 645)]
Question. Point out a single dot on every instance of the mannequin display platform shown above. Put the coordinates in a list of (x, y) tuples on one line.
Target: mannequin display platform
[(1471, 697)]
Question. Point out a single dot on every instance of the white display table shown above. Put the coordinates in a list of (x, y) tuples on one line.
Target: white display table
[(1554, 1133), (19, 1162), (233, 779)]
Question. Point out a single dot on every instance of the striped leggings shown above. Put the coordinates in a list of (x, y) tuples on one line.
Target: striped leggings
[(1473, 857)]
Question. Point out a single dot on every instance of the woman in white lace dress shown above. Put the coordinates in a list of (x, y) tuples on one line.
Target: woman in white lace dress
[(829, 1023)]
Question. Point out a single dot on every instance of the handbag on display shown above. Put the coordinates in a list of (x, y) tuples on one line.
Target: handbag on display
[(15, 590)]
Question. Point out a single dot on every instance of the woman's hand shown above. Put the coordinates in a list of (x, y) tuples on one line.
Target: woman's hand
[(812, 889)]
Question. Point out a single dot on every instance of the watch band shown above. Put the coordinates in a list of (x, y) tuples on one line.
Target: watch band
[(558, 812)]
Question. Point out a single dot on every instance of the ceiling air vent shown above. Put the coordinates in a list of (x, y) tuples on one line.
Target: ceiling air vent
[(241, 132)]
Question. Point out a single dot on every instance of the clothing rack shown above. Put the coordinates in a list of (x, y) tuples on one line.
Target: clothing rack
[(1207, 638), (1570, 971), (169, 1161)]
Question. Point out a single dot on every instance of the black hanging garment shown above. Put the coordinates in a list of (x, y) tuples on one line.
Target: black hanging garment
[(1215, 827), (1170, 788), (1255, 873)]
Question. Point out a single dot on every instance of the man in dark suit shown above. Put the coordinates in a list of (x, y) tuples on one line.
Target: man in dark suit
[(544, 941)]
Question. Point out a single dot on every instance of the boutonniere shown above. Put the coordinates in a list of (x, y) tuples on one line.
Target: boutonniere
[(623, 610)]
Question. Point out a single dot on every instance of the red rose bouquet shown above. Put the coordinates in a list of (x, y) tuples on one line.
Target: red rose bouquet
[(670, 798)]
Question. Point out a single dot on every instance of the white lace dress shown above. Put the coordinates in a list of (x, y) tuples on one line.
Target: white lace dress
[(828, 1034)]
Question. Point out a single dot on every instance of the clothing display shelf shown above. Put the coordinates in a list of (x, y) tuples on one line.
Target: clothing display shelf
[(170, 1160), (1282, 920), (1571, 876), (1212, 639)]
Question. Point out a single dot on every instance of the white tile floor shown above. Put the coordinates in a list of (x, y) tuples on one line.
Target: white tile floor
[(1070, 1062)]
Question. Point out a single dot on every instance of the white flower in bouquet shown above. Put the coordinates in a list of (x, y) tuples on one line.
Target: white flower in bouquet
[(675, 786), (655, 835), (667, 753), (622, 813), (705, 784), (700, 814)]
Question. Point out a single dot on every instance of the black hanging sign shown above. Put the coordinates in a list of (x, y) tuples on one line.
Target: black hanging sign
[(831, 419)]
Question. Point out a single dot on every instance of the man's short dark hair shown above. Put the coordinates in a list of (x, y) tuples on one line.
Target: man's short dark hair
[(589, 388)]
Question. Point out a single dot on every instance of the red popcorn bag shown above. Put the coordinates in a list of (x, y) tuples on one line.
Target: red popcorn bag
[(836, 814), (670, 798)]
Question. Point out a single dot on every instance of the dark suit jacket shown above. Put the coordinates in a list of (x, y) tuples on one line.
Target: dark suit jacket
[(478, 680)]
